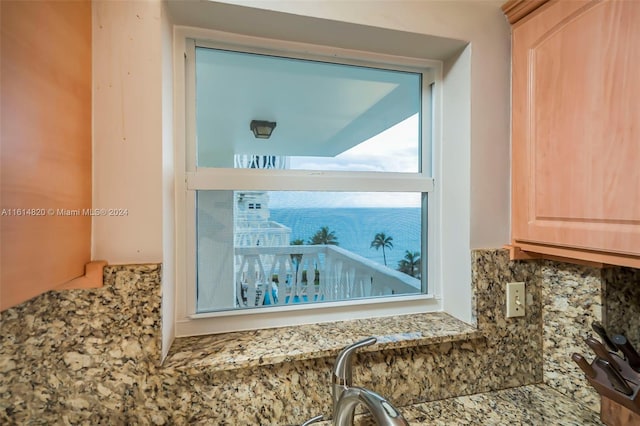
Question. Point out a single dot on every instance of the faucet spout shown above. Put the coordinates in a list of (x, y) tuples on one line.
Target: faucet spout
[(382, 411), (342, 377), (342, 368), (346, 396)]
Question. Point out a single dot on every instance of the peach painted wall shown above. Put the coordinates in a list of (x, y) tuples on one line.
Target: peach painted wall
[(133, 140), (46, 146), (168, 187), (127, 130)]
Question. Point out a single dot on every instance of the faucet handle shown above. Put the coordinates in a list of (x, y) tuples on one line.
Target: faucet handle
[(342, 368)]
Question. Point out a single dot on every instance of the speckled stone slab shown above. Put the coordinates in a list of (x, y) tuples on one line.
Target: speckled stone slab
[(573, 298), (508, 354), (92, 356), (572, 301), (272, 346), (84, 356), (622, 303), (526, 405)]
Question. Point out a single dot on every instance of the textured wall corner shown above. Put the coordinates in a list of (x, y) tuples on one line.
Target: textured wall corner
[(572, 301), (516, 343), (622, 303)]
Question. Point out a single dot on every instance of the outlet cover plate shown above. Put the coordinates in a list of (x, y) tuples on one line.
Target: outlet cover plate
[(516, 300)]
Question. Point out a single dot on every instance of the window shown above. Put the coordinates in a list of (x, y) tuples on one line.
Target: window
[(331, 210)]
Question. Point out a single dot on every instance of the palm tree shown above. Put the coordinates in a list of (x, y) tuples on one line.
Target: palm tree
[(296, 258), (324, 236), (381, 240), (410, 265)]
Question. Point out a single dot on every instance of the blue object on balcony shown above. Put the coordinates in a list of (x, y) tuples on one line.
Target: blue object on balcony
[(297, 299), (304, 298), (271, 297)]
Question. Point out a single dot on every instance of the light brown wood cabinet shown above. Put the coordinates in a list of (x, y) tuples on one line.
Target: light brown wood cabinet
[(576, 131), (45, 161)]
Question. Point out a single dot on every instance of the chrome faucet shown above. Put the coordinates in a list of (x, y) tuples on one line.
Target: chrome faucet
[(346, 396)]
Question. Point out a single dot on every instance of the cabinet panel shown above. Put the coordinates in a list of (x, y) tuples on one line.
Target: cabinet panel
[(45, 166), (576, 126)]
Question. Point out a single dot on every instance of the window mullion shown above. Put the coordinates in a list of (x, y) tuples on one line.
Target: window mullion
[(295, 180)]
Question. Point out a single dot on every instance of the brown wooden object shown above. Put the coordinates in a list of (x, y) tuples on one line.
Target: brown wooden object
[(614, 414), (45, 167), (575, 138)]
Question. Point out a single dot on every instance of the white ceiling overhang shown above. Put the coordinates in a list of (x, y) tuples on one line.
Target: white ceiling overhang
[(320, 109)]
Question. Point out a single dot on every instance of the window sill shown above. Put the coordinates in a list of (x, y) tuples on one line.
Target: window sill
[(253, 348)]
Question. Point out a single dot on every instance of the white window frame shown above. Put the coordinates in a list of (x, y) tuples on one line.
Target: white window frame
[(189, 178)]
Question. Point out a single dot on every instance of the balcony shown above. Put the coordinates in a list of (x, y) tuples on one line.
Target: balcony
[(314, 273), (243, 161), (255, 233)]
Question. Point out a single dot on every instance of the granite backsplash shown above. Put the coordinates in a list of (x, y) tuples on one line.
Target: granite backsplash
[(575, 296), (621, 287), (85, 356), (93, 356)]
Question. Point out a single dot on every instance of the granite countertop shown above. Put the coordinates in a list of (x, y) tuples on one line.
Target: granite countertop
[(244, 349), (525, 405)]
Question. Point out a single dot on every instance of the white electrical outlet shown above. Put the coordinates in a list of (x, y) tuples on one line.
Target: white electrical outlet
[(516, 298)]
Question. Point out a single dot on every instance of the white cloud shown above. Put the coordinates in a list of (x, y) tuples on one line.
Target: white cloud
[(394, 150)]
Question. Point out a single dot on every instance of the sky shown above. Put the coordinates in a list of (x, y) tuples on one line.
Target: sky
[(394, 150)]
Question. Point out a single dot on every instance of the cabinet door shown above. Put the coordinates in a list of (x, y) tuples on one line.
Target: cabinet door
[(45, 166), (576, 126)]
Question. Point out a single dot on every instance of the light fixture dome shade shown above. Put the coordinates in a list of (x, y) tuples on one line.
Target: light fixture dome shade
[(262, 129)]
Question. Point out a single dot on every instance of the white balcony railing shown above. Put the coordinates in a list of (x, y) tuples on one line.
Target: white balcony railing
[(303, 274), (243, 161), (261, 234)]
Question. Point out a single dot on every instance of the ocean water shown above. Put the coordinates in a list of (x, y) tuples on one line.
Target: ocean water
[(355, 228)]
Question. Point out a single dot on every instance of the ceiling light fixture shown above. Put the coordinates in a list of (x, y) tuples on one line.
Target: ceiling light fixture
[(262, 129)]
